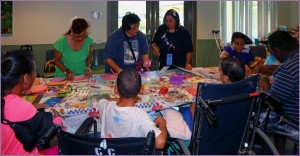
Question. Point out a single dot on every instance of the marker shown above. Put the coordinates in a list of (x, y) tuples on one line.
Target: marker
[(96, 87)]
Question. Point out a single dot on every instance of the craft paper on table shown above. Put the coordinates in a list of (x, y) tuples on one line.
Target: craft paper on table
[(38, 89), (52, 101), (57, 79), (80, 78), (108, 77), (36, 81), (58, 83), (192, 90), (176, 79), (143, 74), (164, 69)]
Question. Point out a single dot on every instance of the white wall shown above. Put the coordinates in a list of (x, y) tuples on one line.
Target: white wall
[(44, 22), (208, 19)]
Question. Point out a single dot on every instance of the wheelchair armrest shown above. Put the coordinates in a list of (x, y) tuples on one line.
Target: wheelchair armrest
[(150, 143), (85, 127)]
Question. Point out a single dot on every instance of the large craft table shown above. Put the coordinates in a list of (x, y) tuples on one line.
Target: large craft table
[(161, 90)]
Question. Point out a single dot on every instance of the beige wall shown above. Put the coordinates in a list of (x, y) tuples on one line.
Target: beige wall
[(288, 13), (44, 22)]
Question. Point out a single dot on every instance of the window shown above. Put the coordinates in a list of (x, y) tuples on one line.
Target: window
[(253, 18)]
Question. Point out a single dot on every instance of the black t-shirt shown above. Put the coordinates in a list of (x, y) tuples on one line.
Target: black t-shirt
[(177, 43)]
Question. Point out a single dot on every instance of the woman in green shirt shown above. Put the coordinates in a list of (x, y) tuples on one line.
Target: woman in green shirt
[(73, 51)]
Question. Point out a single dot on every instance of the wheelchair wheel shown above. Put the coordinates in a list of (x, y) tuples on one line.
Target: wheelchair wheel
[(263, 144)]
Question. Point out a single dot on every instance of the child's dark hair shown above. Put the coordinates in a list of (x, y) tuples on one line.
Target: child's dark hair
[(236, 35), (14, 64), (128, 20), (129, 83), (233, 68), (78, 26), (175, 15)]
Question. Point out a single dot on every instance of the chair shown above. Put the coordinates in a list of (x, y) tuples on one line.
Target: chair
[(49, 67), (71, 144), (220, 129), (259, 51)]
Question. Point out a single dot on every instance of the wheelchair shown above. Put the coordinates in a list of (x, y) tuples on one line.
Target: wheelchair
[(79, 144), (222, 117)]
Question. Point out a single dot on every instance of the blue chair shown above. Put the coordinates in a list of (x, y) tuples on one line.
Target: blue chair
[(220, 128)]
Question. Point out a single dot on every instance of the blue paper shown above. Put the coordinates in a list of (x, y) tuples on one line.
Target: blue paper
[(52, 101)]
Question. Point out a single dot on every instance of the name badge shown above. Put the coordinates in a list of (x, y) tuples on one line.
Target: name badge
[(169, 59)]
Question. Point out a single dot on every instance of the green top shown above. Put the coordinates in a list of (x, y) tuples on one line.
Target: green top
[(74, 60)]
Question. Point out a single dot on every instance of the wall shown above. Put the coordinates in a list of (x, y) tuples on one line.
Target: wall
[(288, 14), (43, 22), (208, 19)]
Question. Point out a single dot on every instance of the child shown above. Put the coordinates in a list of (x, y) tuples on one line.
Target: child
[(231, 70), (18, 72), (123, 119), (237, 49)]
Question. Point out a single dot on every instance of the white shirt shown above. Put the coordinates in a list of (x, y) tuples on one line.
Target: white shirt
[(117, 122)]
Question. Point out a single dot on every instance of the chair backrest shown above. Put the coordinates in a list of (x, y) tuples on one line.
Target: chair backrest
[(259, 51), (232, 118), (70, 144), (49, 55)]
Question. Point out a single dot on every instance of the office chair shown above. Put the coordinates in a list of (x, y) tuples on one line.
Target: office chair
[(222, 114)]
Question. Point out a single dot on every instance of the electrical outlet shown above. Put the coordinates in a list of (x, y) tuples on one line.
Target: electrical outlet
[(98, 41)]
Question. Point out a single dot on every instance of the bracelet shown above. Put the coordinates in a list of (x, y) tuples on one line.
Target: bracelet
[(66, 71)]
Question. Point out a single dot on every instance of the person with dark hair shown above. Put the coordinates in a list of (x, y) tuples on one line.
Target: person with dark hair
[(231, 70), (73, 51), (238, 50), (122, 119), (172, 43), (285, 86), (126, 46), (18, 72)]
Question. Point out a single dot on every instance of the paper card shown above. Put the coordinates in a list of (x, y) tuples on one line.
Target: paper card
[(178, 79), (108, 77), (57, 83), (52, 101), (143, 74), (164, 69), (192, 90), (57, 79), (38, 89), (80, 78)]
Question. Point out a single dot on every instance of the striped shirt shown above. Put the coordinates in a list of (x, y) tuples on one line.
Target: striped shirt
[(285, 86)]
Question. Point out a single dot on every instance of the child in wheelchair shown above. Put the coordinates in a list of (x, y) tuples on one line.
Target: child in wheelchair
[(231, 70), (122, 119)]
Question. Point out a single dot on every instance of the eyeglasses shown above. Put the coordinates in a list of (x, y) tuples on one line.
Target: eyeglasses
[(169, 21)]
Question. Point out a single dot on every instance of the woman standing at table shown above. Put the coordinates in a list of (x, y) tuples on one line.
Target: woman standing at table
[(73, 51), (172, 43)]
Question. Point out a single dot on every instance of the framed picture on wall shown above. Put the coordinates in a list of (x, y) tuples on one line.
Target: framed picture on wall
[(6, 17)]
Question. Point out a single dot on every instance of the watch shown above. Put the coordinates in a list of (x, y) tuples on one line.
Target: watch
[(65, 72)]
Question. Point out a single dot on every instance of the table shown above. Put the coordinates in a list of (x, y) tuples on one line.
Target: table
[(80, 97)]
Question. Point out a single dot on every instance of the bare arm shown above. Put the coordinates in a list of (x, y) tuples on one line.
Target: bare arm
[(89, 59), (160, 140), (223, 55), (61, 66), (111, 63), (188, 65), (156, 51)]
